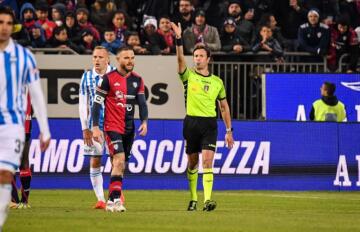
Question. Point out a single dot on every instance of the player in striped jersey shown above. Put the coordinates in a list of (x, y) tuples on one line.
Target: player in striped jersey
[(92, 148), (17, 70)]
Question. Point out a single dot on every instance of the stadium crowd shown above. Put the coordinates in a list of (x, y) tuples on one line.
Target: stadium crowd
[(325, 28)]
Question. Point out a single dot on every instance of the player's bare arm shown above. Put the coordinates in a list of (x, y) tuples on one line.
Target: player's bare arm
[(225, 114), (179, 48)]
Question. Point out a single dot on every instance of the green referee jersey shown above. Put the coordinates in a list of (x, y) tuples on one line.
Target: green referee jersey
[(201, 93)]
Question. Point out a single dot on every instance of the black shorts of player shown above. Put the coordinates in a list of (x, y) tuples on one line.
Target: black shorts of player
[(200, 133), (27, 137), (118, 143)]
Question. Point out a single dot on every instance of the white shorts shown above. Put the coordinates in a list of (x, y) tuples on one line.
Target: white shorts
[(97, 149), (12, 139)]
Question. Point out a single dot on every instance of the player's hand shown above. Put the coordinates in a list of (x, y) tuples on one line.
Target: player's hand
[(229, 140), (176, 29), (87, 135), (143, 129), (44, 144), (97, 135)]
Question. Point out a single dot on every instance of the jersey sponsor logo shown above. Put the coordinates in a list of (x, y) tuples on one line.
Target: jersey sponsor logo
[(13, 59), (128, 107), (117, 84), (119, 94), (135, 84)]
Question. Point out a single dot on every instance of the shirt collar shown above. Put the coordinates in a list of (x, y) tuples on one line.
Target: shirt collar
[(10, 47), (108, 69)]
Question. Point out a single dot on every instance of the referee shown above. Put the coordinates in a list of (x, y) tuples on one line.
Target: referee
[(201, 90)]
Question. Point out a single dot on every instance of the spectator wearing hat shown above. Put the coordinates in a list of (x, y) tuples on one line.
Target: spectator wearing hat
[(200, 32), (185, 16), (58, 13), (245, 27), (133, 41), (314, 37), (37, 37), (28, 17), (82, 20), (87, 42), (152, 41), (60, 39), (343, 40), (111, 43), (231, 40), (42, 13), (166, 32)]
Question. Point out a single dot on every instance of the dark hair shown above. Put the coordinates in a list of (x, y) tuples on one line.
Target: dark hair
[(59, 29), (343, 20), (108, 29), (330, 88), (119, 11), (265, 20), (204, 47), (7, 11), (124, 48)]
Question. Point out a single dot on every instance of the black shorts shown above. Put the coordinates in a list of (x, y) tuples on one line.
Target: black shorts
[(118, 143), (200, 133)]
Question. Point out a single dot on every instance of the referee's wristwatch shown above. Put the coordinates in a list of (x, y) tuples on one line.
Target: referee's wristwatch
[(229, 130)]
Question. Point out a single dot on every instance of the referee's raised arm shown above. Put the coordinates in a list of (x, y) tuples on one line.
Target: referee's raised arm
[(179, 47)]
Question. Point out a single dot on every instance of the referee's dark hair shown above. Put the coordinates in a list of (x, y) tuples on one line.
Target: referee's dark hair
[(124, 48), (330, 88), (202, 46), (8, 11)]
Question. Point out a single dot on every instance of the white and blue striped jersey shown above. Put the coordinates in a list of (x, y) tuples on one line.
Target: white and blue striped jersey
[(17, 69), (89, 81)]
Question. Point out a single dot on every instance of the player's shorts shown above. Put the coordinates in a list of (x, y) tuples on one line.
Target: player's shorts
[(118, 143), (200, 133), (11, 146), (97, 149)]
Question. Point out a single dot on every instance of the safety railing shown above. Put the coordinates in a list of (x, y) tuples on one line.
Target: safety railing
[(59, 51)]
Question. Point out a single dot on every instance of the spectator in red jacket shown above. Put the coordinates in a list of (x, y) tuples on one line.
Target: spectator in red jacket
[(166, 32), (343, 40), (42, 13)]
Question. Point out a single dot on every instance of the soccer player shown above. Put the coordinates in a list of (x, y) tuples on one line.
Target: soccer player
[(120, 89), (25, 171), (17, 70), (202, 90), (89, 81)]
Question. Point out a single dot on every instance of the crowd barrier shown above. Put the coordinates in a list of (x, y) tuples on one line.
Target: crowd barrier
[(266, 156)]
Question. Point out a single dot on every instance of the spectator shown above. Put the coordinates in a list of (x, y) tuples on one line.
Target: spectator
[(82, 17), (267, 43), (166, 32), (314, 37), (231, 40), (87, 42), (42, 9), (119, 25), (254, 9), (101, 11), (269, 20), (133, 41), (58, 13), (111, 43), (343, 40), (185, 15), (20, 34), (290, 15), (28, 17), (245, 27), (200, 32), (328, 108), (152, 41), (328, 8), (61, 40), (37, 37), (73, 31)]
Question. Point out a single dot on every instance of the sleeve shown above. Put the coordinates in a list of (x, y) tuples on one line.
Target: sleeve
[(143, 110), (215, 45), (83, 102), (222, 92), (324, 42), (101, 92), (32, 72), (185, 75), (39, 106)]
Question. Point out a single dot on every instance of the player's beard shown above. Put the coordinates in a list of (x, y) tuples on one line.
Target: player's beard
[(127, 70)]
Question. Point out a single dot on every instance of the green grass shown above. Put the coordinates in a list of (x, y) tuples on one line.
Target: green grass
[(70, 210)]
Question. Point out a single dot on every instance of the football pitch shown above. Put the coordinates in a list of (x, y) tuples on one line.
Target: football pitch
[(70, 210)]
